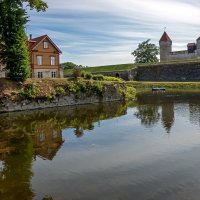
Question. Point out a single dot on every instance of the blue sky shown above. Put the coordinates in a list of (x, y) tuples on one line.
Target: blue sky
[(101, 32)]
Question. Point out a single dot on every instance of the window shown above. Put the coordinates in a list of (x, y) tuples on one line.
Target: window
[(42, 137), (53, 59), (39, 60), (53, 74), (46, 45), (40, 75)]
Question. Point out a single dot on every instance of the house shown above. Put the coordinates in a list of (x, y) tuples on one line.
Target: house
[(44, 58)]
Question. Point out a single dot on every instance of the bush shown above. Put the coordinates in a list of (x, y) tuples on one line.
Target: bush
[(60, 90), (98, 77), (88, 76), (98, 88), (111, 78), (76, 73), (30, 91)]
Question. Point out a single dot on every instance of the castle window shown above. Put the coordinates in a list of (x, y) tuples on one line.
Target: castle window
[(46, 45)]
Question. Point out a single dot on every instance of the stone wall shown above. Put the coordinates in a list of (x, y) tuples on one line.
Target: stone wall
[(162, 72), (169, 72), (8, 105), (2, 71), (182, 56)]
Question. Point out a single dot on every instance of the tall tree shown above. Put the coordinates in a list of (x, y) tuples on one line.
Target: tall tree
[(13, 40), (146, 52)]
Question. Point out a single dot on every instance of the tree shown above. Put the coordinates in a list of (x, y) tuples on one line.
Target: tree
[(13, 41), (69, 65), (146, 52)]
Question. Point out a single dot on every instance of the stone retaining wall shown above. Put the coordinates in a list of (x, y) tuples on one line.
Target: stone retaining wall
[(8, 105)]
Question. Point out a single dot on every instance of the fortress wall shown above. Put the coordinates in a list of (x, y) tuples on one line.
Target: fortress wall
[(182, 56), (169, 72)]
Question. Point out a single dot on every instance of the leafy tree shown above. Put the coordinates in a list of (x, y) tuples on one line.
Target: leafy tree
[(13, 40), (69, 65), (146, 52)]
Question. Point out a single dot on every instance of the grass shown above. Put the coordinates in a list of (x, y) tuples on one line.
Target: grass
[(122, 67), (168, 85), (49, 89), (107, 68)]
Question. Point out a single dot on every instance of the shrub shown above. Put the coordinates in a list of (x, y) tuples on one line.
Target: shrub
[(98, 77), (76, 73), (98, 88), (111, 78), (60, 90), (88, 76), (30, 91)]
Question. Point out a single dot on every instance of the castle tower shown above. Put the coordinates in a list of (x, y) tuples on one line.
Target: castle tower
[(198, 47), (165, 47)]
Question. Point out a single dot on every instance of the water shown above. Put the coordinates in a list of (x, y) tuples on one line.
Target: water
[(144, 150)]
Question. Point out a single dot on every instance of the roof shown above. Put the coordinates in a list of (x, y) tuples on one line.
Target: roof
[(33, 43), (191, 44), (165, 38)]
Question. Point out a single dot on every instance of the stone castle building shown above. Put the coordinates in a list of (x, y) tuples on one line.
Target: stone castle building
[(166, 53)]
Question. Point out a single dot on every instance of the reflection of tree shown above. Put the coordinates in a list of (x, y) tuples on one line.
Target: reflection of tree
[(25, 135), (148, 114), (78, 132), (15, 175), (168, 116), (47, 198)]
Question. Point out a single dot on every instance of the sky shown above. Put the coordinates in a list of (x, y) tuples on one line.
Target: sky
[(105, 32)]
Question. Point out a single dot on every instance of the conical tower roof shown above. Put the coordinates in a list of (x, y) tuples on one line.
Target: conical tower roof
[(165, 38)]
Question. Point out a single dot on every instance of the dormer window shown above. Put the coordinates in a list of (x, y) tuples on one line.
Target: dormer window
[(46, 45)]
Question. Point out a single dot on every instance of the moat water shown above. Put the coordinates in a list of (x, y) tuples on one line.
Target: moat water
[(144, 150)]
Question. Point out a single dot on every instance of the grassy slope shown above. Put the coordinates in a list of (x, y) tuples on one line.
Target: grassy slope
[(107, 68), (169, 85), (121, 67)]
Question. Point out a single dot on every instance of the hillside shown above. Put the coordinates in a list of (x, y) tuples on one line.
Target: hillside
[(122, 67)]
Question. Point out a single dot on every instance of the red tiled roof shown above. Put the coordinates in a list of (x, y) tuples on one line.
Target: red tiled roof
[(191, 44), (165, 38), (35, 41)]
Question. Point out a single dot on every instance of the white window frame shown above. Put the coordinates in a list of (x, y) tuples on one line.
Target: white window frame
[(39, 60), (40, 74), (46, 45), (53, 60), (53, 74)]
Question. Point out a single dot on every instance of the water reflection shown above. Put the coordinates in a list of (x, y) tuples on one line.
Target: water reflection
[(26, 135), (36, 137), (153, 108)]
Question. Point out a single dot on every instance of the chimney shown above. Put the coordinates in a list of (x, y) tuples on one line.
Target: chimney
[(30, 36)]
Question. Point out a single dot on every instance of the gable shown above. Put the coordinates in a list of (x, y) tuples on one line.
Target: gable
[(38, 44)]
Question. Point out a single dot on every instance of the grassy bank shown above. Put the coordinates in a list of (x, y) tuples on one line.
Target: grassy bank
[(107, 68), (122, 67), (169, 85), (49, 89)]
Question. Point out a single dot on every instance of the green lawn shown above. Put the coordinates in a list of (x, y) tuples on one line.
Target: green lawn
[(107, 68), (121, 67), (169, 85)]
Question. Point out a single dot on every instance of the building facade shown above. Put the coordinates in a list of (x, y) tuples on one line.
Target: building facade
[(44, 58), (166, 53)]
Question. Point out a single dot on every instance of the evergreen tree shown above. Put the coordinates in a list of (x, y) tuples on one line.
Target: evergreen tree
[(146, 53), (13, 40)]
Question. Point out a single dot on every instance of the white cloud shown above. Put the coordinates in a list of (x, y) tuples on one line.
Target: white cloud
[(97, 32)]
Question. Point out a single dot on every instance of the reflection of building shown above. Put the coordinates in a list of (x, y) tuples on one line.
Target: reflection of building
[(194, 113), (46, 142), (168, 116)]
